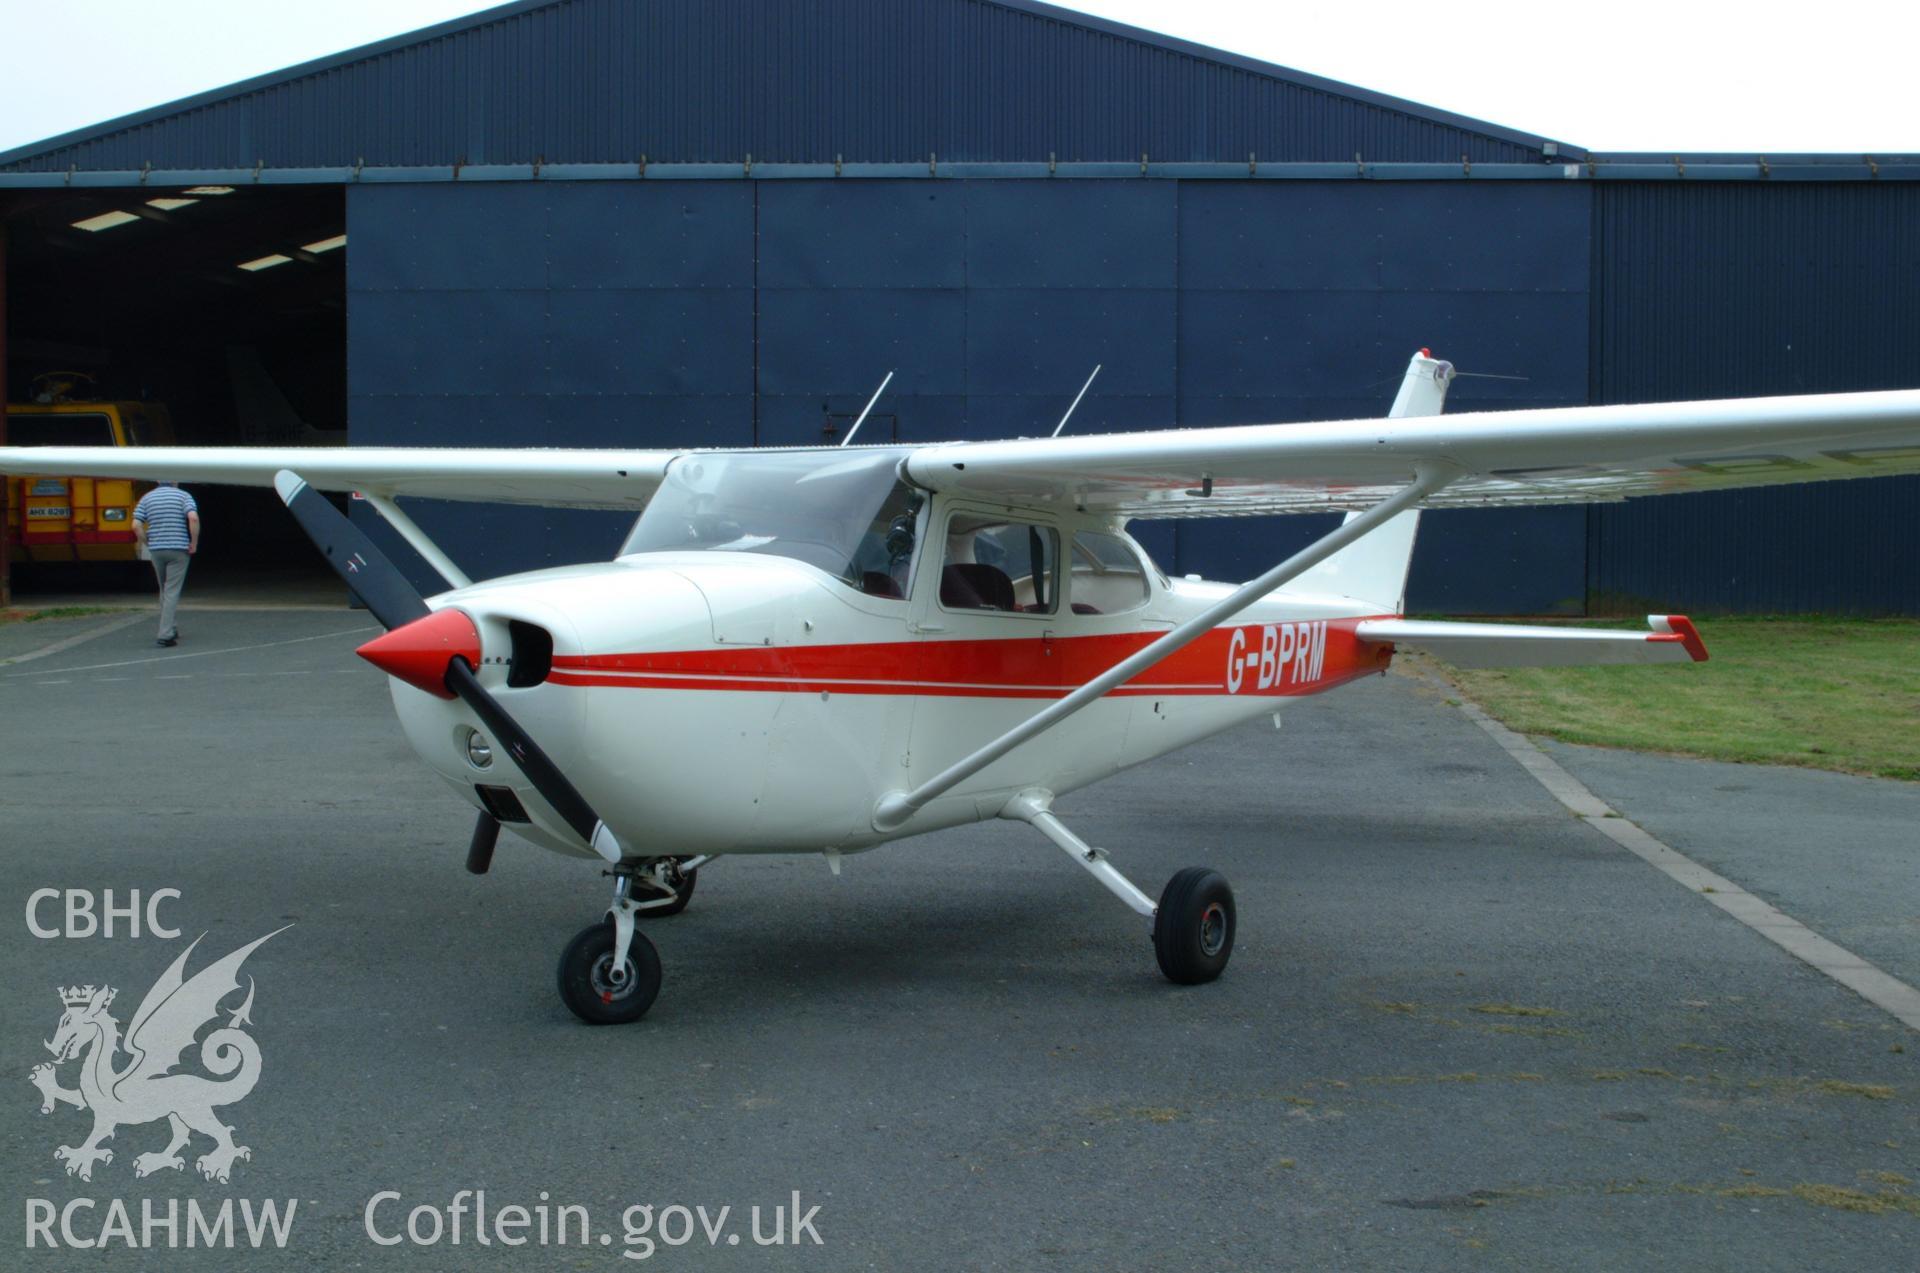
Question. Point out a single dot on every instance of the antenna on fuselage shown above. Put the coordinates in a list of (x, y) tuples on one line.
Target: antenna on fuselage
[(869, 407), (1076, 402)]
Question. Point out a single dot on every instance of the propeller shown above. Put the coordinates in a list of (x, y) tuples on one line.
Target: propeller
[(435, 651)]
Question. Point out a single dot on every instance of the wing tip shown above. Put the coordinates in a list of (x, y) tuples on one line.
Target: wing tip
[(1678, 627)]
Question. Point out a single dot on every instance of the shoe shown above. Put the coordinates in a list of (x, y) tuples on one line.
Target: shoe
[(167, 642)]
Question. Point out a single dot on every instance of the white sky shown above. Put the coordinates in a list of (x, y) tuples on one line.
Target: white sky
[(1683, 75)]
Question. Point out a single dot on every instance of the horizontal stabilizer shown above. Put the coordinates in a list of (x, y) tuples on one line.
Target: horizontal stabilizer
[(1672, 639)]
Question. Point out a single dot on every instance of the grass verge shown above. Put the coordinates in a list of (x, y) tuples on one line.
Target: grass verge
[(54, 612), (1840, 694)]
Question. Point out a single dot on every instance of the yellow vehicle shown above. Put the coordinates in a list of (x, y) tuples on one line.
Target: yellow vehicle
[(63, 519)]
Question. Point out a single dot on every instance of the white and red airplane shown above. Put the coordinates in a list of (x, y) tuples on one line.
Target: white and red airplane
[(822, 650)]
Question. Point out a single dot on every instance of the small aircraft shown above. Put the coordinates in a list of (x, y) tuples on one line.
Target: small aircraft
[(821, 650)]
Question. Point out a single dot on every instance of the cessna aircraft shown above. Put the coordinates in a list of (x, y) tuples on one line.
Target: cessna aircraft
[(875, 642)]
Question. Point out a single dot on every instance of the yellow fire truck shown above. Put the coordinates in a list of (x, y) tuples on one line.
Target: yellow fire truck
[(63, 519)]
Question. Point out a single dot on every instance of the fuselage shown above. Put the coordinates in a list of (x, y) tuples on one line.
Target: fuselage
[(729, 701)]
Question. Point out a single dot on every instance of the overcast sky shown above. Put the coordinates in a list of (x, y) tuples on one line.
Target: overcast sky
[(1838, 75)]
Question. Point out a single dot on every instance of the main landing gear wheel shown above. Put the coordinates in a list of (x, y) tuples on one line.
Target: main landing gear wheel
[(1193, 927), (595, 991), (683, 882)]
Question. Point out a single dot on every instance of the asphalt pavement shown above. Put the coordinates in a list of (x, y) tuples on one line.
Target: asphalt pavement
[(1461, 1028)]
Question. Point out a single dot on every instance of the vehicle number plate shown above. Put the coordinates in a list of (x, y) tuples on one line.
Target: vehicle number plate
[(47, 511)]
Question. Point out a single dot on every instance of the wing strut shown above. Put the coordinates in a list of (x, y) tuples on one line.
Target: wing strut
[(417, 539), (895, 808)]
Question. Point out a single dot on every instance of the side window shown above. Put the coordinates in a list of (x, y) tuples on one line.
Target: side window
[(1000, 565), (1107, 576)]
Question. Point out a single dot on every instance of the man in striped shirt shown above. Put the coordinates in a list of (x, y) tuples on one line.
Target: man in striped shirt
[(166, 522)]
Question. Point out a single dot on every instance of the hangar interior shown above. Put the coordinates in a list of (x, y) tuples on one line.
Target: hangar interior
[(589, 223), (224, 304)]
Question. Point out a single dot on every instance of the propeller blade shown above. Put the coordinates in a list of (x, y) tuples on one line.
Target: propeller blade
[(367, 570), (435, 651), (545, 776)]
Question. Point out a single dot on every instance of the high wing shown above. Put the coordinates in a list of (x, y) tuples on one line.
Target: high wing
[(1544, 456), (576, 479), (1550, 455)]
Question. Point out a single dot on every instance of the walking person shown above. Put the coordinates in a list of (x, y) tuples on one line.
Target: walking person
[(166, 523)]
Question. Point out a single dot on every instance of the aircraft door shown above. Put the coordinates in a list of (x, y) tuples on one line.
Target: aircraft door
[(997, 645)]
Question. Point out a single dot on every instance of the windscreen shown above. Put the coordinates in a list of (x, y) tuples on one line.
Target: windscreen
[(61, 429), (848, 514)]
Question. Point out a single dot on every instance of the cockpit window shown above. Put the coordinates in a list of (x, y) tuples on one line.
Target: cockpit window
[(848, 514)]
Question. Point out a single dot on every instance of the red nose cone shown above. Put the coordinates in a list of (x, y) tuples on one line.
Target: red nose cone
[(420, 652)]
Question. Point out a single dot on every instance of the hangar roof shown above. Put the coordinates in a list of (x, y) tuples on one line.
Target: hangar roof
[(711, 81)]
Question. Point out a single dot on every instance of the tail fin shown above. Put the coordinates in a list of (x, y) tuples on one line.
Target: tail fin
[(1374, 567)]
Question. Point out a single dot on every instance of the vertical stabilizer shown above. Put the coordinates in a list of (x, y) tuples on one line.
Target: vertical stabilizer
[(1374, 568)]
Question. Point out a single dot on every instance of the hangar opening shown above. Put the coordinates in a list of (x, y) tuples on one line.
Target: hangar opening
[(206, 315)]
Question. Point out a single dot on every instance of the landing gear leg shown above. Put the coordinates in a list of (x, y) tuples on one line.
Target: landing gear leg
[(1192, 926), (610, 973)]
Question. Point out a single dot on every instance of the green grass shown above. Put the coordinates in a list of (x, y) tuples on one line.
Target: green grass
[(1839, 694)]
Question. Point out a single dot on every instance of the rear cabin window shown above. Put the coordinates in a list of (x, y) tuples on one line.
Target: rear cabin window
[(993, 564), (1107, 576)]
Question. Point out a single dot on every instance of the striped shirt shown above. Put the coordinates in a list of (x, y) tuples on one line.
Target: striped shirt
[(163, 511)]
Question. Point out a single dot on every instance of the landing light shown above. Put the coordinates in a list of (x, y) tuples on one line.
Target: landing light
[(479, 751)]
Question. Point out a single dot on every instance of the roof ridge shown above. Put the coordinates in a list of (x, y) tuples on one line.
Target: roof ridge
[(1028, 8), (274, 79), (1273, 70)]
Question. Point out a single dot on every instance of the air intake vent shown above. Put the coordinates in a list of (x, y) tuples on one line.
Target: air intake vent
[(532, 656), (502, 803)]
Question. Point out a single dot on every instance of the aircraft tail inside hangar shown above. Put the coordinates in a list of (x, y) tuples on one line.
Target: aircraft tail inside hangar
[(583, 222)]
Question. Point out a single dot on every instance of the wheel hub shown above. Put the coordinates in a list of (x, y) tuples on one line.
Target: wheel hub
[(1213, 929), (611, 983)]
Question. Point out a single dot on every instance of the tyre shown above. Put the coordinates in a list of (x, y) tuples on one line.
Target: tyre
[(1193, 929), (680, 898), (587, 984)]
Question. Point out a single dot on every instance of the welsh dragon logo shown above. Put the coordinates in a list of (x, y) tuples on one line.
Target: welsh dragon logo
[(146, 1089)]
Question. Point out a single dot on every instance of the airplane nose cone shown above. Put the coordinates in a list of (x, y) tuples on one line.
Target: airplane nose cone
[(420, 652)]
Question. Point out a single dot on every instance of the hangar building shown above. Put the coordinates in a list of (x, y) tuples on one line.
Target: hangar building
[(720, 222)]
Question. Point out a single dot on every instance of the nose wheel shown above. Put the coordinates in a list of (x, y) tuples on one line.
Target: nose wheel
[(610, 973), (601, 992)]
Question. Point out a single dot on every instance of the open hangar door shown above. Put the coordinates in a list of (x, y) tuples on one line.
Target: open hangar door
[(225, 305)]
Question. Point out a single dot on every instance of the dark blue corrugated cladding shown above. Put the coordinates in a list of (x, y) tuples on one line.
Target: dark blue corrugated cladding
[(1744, 289), (607, 81), (727, 313)]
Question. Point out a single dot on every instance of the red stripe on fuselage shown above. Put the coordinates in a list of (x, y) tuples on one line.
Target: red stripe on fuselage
[(1247, 661)]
